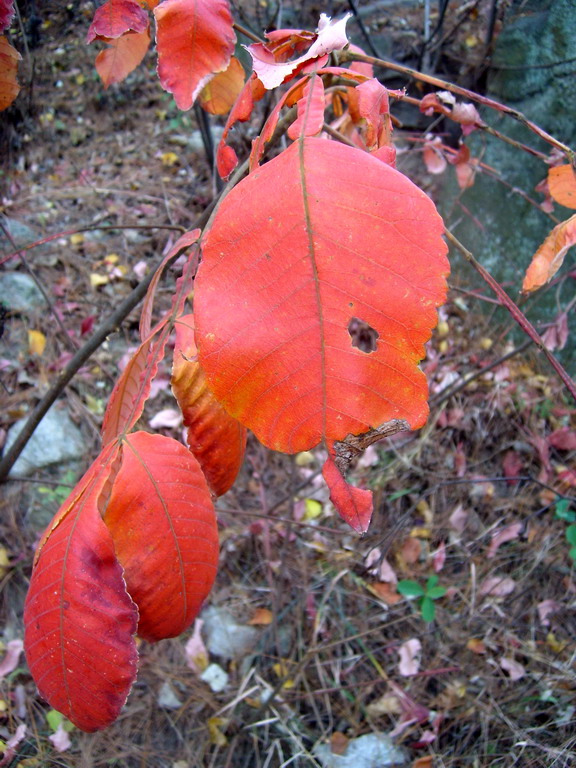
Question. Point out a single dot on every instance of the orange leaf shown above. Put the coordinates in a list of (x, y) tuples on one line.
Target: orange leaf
[(331, 234), (550, 256), (195, 40), (562, 185), (219, 96), (115, 18), (162, 520), (131, 391), (215, 438), (253, 91), (262, 617), (122, 56), (9, 87), (310, 110), (79, 619)]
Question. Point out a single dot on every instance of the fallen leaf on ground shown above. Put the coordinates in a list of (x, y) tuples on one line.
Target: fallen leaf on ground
[(515, 670), (60, 739), (262, 617), (509, 533), (547, 608), (195, 650), (476, 646), (497, 586), (385, 592), (410, 657), (11, 658)]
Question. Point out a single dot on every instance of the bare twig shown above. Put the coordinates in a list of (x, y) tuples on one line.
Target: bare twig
[(516, 313), (467, 94)]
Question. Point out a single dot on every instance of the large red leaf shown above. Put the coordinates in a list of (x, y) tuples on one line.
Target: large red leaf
[(215, 438), (79, 620), (195, 40), (122, 56), (162, 520), (116, 17), (330, 234), (9, 87)]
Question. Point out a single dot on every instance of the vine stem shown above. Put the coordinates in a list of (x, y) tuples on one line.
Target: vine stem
[(459, 91), (516, 313)]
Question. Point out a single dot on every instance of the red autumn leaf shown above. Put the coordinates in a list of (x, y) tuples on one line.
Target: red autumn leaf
[(512, 465), (353, 504), (161, 518), (281, 360), (181, 245), (215, 438), (219, 96), (550, 256), (290, 97), (253, 91), (195, 40), (116, 17), (310, 110), (434, 158), (122, 56), (374, 107), (564, 439), (562, 185), (79, 619), (6, 14), (9, 87), (132, 389), (273, 69)]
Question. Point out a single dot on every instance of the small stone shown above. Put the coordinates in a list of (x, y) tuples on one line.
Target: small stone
[(56, 440), (19, 292)]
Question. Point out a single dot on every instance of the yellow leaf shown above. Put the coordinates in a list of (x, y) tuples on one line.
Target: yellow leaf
[(36, 342), (303, 458), (420, 533), (96, 280), (169, 159), (313, 509), (550, 256), (3, 706), (112, 258), (216, 735), (77, 239), (4, 561), (554, 644), (443, 329)]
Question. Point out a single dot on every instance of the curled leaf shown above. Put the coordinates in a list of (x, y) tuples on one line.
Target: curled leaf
[(550, 256), (219, 95), (115, 17)]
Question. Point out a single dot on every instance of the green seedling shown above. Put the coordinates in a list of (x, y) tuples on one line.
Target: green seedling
[(564, 512), (425, 594)]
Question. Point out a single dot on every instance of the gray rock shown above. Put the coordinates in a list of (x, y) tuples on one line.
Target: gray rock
[(532, 70), (224, 637), (21, 233), (374, 750), (19, 293), (56, 440)]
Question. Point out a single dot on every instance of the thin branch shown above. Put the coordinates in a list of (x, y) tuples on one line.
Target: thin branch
[(81, 356), (516, 313), (458, 90)]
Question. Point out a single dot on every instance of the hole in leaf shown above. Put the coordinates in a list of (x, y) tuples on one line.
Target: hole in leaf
[(363, 335)]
